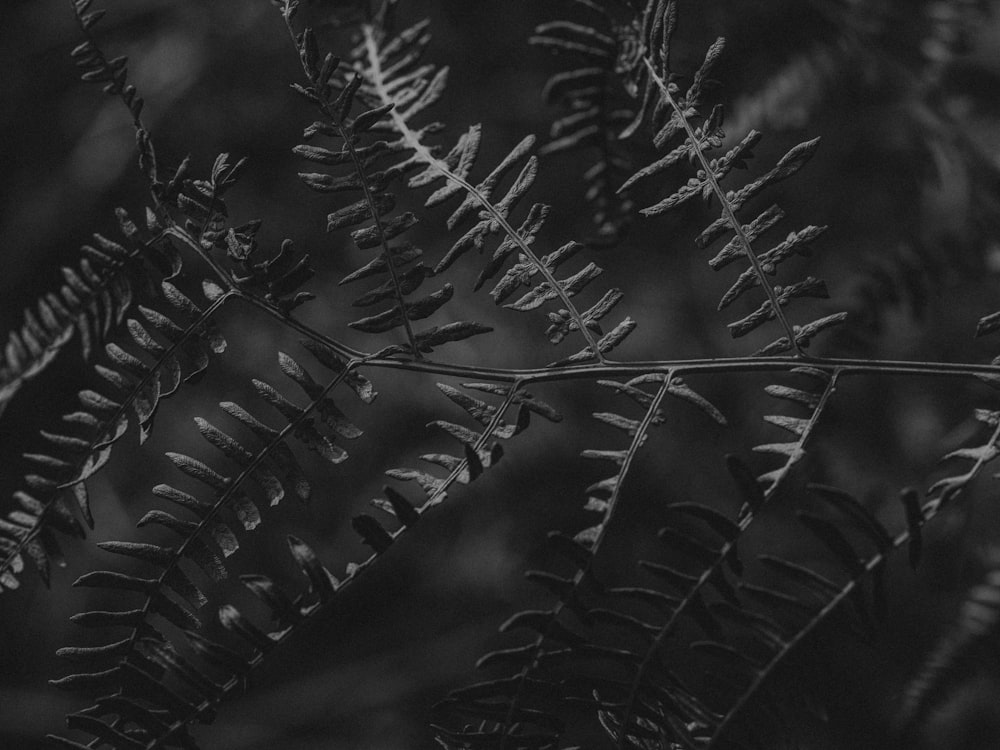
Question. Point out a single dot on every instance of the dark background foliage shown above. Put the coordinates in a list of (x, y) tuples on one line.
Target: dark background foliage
[(907, 179)]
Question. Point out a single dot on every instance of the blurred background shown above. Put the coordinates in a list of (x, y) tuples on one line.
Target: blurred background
[(906, 97)]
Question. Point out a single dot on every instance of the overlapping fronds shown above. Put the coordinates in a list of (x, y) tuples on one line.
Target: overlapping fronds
[(112, 274), (207, 532), (702, 567), (860, 544), (397, 262), (691, 649), (677, 114), (596, 630), (94, 297), (168, 342), (591, 92), (166, 349), (404, 87), (773, 620), (99, 291), (159, 686), (154, 690), (522, 710)]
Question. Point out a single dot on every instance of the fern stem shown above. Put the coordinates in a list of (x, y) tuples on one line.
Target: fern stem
[(716, 567), (834, 366), (307, 612), (300, 327), (734, 365), (727, 209), (839, 366), (174, 230), (413, 140), (613, 502), (842, 367)]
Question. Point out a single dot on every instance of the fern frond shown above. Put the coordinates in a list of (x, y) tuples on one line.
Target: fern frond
[(139, 380), (206, 542), (97, 295), (511, 708), (189, 691), (169, 342), (394, 79), (710, 563), (691, 653), (335, 97), (595, 118), (803, 613), (652, 701), (168, 192), (199, 203), (947, 489), (677, 114), (829, 595), (93, 300), (112, 75)]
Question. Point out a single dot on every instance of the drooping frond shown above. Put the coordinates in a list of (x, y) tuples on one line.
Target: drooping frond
[(112, 75), (396, 80), (707, 566), (168, 342), (151, 693), (166, 348), (208, 532)]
